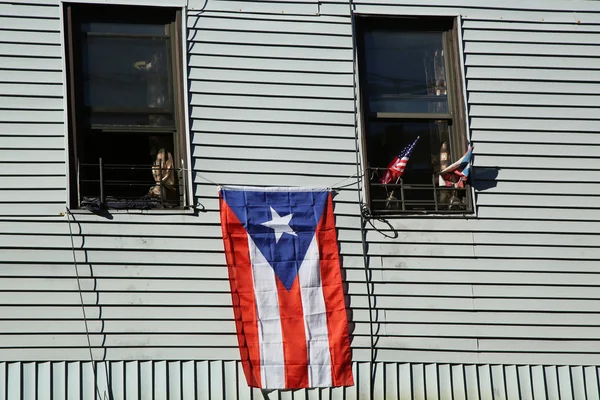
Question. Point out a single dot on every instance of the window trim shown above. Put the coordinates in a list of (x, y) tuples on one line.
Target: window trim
[(178, 53), (457, 102)]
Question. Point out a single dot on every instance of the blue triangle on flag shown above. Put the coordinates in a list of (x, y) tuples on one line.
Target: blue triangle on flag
[(285, 248)]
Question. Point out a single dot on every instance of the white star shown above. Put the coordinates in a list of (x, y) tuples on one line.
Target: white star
[(279, 224)]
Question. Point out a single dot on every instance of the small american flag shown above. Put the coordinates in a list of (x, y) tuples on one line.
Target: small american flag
[(398, 164)]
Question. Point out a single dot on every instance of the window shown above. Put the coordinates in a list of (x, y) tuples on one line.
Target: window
[(411, 87), (127, 142)]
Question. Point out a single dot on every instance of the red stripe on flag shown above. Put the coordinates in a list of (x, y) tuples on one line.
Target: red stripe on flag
[(242, 293), (294, 336), (337, 320)]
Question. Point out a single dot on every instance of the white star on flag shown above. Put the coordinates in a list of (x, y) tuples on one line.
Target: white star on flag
[(279, 224)]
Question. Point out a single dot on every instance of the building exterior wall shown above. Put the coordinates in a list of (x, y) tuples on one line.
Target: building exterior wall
[(272, 102)]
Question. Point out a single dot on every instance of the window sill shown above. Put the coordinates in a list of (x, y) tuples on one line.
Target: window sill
[(425, 215), (179, 211)]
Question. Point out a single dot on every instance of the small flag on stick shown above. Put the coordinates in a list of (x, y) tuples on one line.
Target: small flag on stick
[(396, 168), (460, 168)]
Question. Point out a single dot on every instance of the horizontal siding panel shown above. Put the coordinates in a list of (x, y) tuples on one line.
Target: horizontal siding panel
[(499, 263), (281, 167), (108, 256), (31, 168), (271, 64), (39, 209), (29, 10), (515, 86), (511, 236), (583, 163), (269, 177), (260, 115), (32, 142), (31, 103), (272, 103), (536, 213), (537, 291), (31, 63), (32, 76), (481, 177), (284, 52), (531, 200), (379, 229), (271, 89), (146, 299), (468, 24), (533, 112), (25, 89), (24, 22), (550, 346), (33, 195), (542, 188), (525, 61), (486, 332), (262, 154), (532, 74), (45, 155), (535, 99), (41, 314), (531, 49), (247, 75), (115, 340), (296, 7), (140, 353), (542, 252), (491, 277), (543, 305), (273, 141), (564, 190), (526, 124), (286, 38), (259, 23), (503, 318), (29, 50), (515, 36), (13, 36), (32, 116), (557, 150)]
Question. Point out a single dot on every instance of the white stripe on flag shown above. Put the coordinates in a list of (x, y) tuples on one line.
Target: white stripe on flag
[(315, 318), (270, 338)]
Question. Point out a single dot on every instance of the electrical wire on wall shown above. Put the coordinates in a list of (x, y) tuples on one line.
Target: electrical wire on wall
[(85, 319), (363, 208)]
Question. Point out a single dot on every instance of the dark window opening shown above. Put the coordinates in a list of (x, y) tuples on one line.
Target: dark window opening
[(410, 87), (125, 93)]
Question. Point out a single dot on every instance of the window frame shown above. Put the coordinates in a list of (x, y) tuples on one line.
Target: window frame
[(76, 109), (456, 116)]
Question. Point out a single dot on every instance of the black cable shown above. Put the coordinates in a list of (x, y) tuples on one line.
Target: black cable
[(363, 207), (87, 331)]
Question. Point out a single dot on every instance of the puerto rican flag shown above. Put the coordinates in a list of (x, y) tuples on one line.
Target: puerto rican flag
[(284, 270), (461, 169)]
